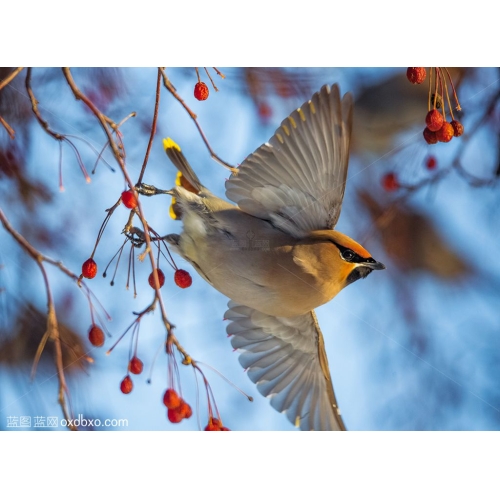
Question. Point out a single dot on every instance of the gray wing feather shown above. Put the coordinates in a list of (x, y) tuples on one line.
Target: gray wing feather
[(285, 357), (297, 179)]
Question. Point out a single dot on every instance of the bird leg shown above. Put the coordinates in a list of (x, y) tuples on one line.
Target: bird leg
[(150, 190)]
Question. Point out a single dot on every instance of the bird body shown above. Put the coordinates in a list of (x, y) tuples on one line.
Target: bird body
[(283, 275), (276, 255)]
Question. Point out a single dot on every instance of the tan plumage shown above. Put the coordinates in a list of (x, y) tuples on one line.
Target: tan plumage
[(276, 255)]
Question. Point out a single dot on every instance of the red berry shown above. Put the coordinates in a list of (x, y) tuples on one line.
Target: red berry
[(445, 133), (128, 199), (135, 365), (265, 111), (390, 182), (171, 399), (431, 162), (429, 136), (174, 416), (458, 128), (212, 427), (185, 410), (182, 278), (201, 91), (89, 269), (416, 75), (434, 120), (96, 336), (161, 279), (126, 386)]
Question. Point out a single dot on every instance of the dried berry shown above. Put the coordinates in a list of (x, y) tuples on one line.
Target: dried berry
[(445, 133), (390, 182), (429, 136), (416, 75), (89, 269), (212, 427), (265, 111), (185, 410), (431, 162), (129, 199), (96, 336), (182, 278), (126, 386), (458, 128), (174, 416), (161, 279), (171, 399), (434, 120), (201, 91), (135, 365)]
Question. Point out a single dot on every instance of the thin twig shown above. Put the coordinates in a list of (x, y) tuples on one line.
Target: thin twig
[(219, 73), (10, 130), (34, 107), (211, 80), (105, 122), (153, 127), (11, 77)]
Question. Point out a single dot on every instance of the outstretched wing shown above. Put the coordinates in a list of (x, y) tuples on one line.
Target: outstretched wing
[(297, 179), (286, 358)]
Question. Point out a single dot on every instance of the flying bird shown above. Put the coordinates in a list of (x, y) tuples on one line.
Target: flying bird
[(275, 254)]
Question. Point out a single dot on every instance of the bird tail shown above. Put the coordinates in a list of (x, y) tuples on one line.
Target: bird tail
[(185, 175), (180, 162)]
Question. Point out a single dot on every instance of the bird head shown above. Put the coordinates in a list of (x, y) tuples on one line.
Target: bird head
[(352, 261), (355, 261)]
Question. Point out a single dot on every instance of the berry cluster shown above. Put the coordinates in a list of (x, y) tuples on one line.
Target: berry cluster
[(177, 408), (181, 278), (135, 366), (438, 129), (214, 424)]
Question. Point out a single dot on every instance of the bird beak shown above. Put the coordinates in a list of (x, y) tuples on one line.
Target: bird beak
[(376, 266)]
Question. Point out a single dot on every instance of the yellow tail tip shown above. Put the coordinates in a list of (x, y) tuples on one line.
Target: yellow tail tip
[(170, 144), (178, 179), (172, 211)]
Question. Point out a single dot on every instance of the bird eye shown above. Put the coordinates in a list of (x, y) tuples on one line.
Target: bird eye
[(348, 255)]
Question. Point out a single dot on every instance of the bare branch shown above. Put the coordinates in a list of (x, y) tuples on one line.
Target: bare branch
[(11, 77), (52, 332)]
